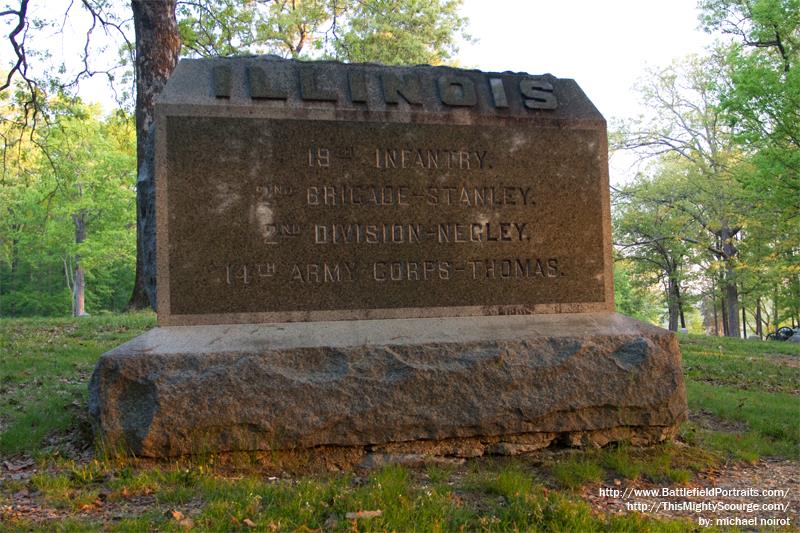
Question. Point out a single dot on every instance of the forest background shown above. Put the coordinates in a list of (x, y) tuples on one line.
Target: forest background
[(706, 227)]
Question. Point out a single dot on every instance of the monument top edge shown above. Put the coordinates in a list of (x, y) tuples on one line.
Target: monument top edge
[(253, 58), (270, 82)]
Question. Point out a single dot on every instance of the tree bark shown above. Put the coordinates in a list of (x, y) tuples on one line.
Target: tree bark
[(744, 323), (679, 296), (714, 300), (724, 307), (157, 47), (732, 304), (759, 329), (673, 300), (730, 288)]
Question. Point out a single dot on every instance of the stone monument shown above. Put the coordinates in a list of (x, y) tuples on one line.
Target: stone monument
[(382, 258)]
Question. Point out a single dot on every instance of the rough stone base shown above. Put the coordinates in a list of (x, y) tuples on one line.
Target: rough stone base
[(459, 387)]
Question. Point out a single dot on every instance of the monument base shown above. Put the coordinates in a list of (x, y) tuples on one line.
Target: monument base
[(449, 386)]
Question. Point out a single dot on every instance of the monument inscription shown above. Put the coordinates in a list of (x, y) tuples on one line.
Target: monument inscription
[(291, 191)]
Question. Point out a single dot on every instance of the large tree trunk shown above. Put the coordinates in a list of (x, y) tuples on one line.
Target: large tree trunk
[(731, 301), (714, 300), (157, 47), (724, 307)]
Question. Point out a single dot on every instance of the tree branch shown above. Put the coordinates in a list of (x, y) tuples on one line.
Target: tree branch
[(21, 65)]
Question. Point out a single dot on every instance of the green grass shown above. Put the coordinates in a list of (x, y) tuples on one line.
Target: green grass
[(751, 385), (746, 365), (747, 393), (45, 365), (503, 497), (577, 471)]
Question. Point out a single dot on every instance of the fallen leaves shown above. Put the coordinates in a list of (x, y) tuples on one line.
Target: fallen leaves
[(17, 466), (183, 521)]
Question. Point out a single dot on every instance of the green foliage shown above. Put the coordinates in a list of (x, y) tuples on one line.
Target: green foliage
[(760, 99), (652, 232), (632, 297), (762, 96), (700, 208), (386, 31), (401, 32), (79, 166)]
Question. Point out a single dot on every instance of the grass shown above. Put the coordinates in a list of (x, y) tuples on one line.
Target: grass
[(45, 365), (743, 395), (577, 472), (752, 387)]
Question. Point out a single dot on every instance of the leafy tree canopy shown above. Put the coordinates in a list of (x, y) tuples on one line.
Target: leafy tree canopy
[(386, 31)]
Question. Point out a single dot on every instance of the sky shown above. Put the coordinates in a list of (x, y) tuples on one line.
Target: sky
[(604, 45)]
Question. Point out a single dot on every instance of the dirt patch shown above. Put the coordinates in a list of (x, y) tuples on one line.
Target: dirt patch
[(708, 421), (786, 360)]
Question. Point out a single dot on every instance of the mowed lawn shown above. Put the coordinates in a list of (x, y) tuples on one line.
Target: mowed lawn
[(744, 399)]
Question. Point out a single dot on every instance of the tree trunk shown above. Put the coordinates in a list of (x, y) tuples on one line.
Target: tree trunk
[(157, 47), (723, 307), (730, 288), (79, 283), (672, 301), (744, 323), (759, 329), (732, 301), (679, 296), (714, 300)]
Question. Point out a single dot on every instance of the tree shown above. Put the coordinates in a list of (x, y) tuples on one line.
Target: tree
[(652, 235), (632, 298), (157, 47), (69, 215), (386, 31), (760, 97), (685, 124), (400, 32)]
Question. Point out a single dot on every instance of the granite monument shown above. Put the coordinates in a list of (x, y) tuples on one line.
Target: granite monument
[(382, 258)]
